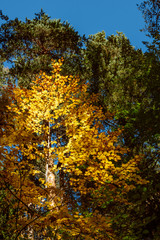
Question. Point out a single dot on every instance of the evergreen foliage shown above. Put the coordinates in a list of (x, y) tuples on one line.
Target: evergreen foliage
[(29, 47), (128, 85)]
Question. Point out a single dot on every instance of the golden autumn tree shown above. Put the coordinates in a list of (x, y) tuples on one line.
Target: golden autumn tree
[(58, 164)]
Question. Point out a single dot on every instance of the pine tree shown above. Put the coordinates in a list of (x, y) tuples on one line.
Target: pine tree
[(29, 47)]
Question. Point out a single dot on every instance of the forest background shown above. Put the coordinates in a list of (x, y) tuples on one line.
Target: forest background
[(87, 149)]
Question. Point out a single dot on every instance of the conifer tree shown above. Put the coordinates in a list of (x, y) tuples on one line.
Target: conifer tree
[(29, 46), (151, 13), (128, 85)]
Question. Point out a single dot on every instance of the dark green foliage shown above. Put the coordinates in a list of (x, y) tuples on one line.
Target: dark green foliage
[(128, 84), (117, 70), (7, 212), (150, 10), (31, 45), (151, 13)]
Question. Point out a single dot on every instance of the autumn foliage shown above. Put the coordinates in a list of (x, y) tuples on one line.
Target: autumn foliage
[(59, 164)]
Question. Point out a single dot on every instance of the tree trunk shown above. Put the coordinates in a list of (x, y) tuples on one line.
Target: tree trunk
[(50, 176)]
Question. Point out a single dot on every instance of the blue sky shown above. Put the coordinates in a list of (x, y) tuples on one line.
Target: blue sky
[(86, 16)]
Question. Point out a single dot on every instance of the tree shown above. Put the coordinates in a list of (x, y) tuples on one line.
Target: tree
[(151, 13), (91, 160), (29, 47), (119, 75), (128, 85)]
